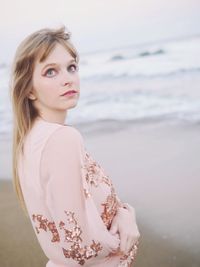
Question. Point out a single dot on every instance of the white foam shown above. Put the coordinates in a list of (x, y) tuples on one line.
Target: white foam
[(110, 98)]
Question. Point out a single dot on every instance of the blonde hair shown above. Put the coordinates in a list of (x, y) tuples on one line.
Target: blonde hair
[(36, 46)]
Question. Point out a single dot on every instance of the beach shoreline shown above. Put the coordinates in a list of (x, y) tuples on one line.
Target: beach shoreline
[(154, 167)]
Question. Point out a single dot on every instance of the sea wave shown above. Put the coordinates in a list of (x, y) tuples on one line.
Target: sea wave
[(111, 78)]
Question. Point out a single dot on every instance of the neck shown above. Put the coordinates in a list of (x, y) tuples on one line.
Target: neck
[(55, 117)]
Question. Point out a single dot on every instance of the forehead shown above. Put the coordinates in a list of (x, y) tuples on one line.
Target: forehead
[(58, 55)]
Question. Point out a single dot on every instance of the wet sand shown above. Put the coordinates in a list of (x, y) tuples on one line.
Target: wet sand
[(154, 166)]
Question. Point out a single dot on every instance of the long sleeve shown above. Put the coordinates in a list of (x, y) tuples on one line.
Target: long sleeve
[(76, 224)]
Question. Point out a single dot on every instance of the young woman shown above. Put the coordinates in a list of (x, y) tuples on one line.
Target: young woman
[(71, 202)]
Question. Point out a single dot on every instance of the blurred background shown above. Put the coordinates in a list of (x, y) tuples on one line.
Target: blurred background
[(139, 112)]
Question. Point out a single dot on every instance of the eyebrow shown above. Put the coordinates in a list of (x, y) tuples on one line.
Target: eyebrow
[(54, 64)]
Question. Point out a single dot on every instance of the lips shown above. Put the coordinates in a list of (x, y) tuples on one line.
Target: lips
[(69, 92)]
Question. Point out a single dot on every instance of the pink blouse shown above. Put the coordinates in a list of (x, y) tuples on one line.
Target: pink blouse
[(70, 200)]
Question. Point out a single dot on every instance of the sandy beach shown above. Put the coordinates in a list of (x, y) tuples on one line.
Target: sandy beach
[(154, 167)]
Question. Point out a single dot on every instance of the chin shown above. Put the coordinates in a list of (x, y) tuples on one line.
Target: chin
[(72, 105)]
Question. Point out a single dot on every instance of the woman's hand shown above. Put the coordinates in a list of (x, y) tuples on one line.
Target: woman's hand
[(124, 223)]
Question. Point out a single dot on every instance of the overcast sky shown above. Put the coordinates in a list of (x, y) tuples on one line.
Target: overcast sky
[(98, 24)]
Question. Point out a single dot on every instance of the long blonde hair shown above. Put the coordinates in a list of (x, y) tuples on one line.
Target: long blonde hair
[(36, 46)]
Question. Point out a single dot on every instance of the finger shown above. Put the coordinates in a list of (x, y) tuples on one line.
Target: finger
[(123, 243), (113, 229), (130, 208), (137, 236), (129, 244)]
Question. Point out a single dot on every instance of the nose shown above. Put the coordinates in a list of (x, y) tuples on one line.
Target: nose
[(67, 79), (67, 83)]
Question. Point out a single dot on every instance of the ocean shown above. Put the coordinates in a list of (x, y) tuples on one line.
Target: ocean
[(156, 81)]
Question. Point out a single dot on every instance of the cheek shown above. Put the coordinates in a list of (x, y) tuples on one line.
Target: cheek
[(45, 89), (77, 81)]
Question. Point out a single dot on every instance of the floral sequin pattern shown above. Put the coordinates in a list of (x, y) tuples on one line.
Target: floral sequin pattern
[(110, 207), (72, 234), (126, 260), (44, 224), (94, 175)]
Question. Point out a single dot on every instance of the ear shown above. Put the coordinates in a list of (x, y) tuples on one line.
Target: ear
[(32, 96)]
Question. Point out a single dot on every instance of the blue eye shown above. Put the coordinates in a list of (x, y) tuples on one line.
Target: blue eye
[(74, 66), (50, 72)]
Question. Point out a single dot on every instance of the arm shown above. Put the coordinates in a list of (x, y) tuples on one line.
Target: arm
[(82, 235)]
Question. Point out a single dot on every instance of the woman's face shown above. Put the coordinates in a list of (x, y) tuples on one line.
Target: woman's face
[(51, 79)]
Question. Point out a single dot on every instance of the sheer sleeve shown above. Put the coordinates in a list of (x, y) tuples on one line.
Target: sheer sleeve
[(78, 227)]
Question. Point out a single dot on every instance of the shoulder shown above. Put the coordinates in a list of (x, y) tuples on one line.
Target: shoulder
[(49, 131), (64, 137), (67, 132), (63, 147)]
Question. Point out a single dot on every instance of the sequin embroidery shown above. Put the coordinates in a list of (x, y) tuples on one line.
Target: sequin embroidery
[(87, 193), (110, 207), (76, 251), (126, 260), (94, 173), (45, 225)]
